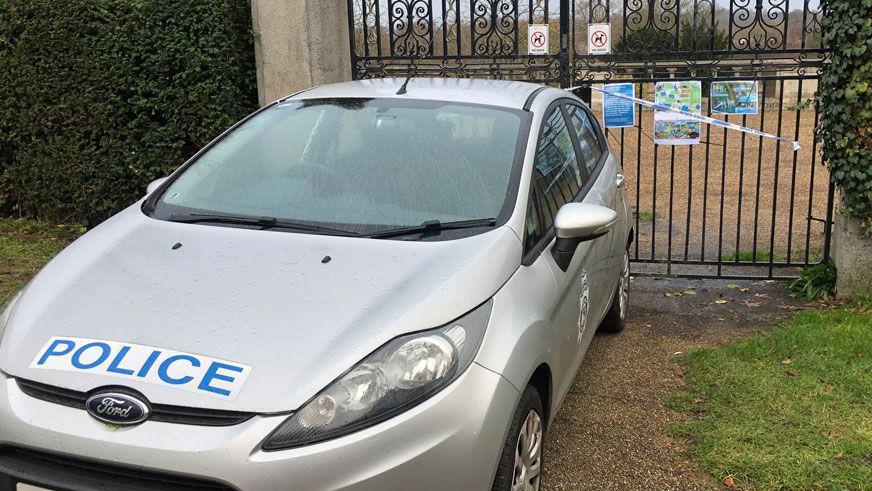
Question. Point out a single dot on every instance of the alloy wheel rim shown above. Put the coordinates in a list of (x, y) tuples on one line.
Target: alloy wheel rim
[(528, 454), (624, 287)]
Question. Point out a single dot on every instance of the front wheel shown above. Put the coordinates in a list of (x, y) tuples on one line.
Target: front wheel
[(520, 467), (615, 318)]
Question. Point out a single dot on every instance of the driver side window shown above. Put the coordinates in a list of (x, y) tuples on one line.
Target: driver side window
[(557, 177)]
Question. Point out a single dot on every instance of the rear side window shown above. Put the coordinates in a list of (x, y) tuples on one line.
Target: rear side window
[(588, 139)]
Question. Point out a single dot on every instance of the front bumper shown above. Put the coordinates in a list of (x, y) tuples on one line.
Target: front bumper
[(451, 441)]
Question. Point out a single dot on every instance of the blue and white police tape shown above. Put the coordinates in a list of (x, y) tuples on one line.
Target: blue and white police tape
[(186, 371), (698, 117)]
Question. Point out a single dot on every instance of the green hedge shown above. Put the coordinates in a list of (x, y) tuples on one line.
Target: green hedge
[(846, 104), (99, 97)]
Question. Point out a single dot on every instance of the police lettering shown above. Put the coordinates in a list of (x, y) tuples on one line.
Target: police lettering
[(191, 372)]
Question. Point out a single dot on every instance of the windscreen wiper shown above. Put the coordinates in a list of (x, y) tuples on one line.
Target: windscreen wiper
[(433, 226), (262, 222), (308, 227)]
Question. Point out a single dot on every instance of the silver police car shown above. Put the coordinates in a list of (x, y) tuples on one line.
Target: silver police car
[(379, 285)]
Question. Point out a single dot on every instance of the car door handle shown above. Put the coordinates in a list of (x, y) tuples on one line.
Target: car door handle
[(619, 181)]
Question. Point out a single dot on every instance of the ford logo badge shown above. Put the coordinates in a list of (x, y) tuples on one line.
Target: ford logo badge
[(117, 408)]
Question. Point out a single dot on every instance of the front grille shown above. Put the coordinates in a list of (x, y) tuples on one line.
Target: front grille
[(160, 412), (61, 472)]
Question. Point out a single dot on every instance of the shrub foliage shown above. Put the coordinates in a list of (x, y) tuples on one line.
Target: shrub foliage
[(818, 281), (846, 104), (99, 97)]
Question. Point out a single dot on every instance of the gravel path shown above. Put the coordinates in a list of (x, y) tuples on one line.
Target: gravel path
[(610, 432)]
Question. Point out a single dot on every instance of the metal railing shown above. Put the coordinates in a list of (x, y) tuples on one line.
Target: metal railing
[(732, 206)]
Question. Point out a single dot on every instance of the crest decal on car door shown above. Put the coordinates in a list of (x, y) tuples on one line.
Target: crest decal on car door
[(583, 305)]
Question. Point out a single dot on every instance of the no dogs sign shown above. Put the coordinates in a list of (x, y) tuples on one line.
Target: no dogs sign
[(537, 39), (599, 39)]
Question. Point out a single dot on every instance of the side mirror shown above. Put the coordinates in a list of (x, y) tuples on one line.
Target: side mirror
[(155, 184), (576, 223)]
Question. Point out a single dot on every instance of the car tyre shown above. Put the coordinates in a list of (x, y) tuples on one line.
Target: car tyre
[(616, 317), (520, 467)]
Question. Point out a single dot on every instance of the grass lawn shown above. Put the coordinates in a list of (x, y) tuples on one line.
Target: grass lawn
[(25, 247), (787, 410)]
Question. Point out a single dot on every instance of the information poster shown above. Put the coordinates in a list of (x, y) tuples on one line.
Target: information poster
[(618, 111), (671, 128), (737, 97)]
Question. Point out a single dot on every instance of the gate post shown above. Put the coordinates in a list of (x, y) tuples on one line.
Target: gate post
[(586, 94), (299, 44), (565, 71), (852, 254)]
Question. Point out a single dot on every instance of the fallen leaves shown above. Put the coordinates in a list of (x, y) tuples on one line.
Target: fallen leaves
[(722, 301), (785, 361), (689, 291), (729, 481)]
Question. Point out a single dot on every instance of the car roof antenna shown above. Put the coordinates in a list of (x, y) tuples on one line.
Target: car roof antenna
[(403, 87)]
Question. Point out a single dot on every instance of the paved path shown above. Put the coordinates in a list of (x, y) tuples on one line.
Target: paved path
[(610, 432)]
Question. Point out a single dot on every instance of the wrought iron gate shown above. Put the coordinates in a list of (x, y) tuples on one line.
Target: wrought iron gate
[(733, 206)]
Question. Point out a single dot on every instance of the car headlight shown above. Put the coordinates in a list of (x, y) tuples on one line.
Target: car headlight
[(6, 311), (401, 374)]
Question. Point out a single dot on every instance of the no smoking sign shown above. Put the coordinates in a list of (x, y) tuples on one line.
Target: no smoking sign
[(537, 39), (599, 39)]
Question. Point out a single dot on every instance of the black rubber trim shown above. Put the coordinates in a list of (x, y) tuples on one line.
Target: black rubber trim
[(55, 471), (529, 102), (162, 413), (538, 248)]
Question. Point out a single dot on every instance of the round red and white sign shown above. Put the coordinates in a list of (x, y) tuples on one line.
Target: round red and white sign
[(599, 38)]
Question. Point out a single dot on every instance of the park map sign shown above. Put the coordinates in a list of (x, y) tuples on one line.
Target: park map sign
[(736, 97), (672, 128)]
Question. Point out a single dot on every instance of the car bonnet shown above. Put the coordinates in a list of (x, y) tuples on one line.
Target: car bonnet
[(263, 309)]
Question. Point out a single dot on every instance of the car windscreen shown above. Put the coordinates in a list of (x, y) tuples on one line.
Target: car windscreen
[(358, 164)]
